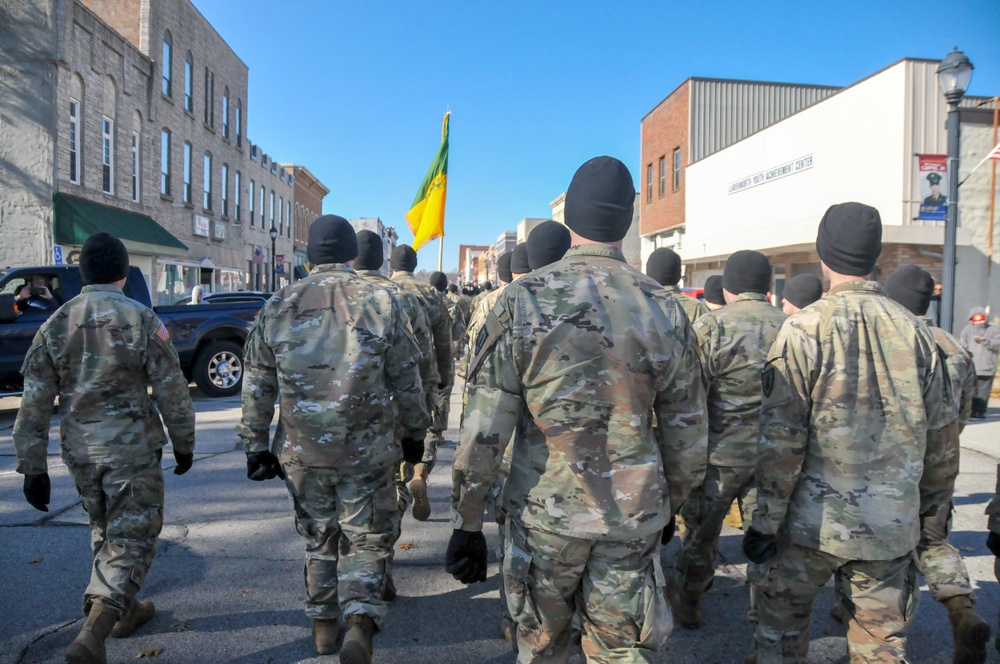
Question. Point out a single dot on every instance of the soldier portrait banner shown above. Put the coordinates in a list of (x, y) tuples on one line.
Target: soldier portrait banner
[(933, 182)]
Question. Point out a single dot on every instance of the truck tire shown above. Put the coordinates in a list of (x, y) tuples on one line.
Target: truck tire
[(218, 370)]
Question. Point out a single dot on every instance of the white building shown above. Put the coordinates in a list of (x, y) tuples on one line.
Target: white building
[(387, 233)]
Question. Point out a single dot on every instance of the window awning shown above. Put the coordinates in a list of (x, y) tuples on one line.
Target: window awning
[(76, 219)]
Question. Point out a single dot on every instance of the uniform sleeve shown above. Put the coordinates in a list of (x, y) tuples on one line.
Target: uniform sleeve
[(682, 422), (993, 509), (31, 428), (936, 384), (706, 336), (441, 331), (170, 387), (786, 386), (403, 371), (493, 407), (260, 388), (968, 393)]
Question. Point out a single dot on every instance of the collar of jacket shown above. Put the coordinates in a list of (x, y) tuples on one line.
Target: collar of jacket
[(332, 267), (101, 288), (871, 287), (400, 273), (595, 250), (752, 296), (370, 273)]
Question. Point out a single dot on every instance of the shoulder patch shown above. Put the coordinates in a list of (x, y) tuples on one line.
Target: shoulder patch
[(497, 322), (767, 380), (162, 333)]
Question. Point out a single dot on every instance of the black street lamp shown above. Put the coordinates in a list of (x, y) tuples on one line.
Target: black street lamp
[(274, 238), (954, 74)]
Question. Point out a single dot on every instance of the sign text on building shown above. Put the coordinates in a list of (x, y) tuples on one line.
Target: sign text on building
[(763, 177), (201, 226)]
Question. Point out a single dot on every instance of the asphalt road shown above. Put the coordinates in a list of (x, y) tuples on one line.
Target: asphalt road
[(227, 580)]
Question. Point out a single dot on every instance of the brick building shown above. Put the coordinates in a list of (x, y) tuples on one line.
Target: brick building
[(308, 206), (467, 255)]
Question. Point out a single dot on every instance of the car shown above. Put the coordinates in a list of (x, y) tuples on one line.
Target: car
[(232, 296)]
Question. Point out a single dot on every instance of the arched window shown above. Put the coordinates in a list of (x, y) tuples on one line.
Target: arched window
[(189, 83), (168, 48), (75, 129), (207, 96), (225, 113), (108, 136), (136, 179), (165, 162), (239, 123)]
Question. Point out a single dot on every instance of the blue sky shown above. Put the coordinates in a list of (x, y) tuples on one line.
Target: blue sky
[(356, 91)]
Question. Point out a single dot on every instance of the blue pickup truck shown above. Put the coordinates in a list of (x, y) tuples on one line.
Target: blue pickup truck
[(208, 337)]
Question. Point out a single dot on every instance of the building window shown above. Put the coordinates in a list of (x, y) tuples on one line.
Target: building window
[(168, 47), (108, 155), (207, 97), (225, 190), (236, 191), (289, 217), (281, 215), (272, 208), (263, 196), (135, 166), (165, 162), (239, 124), (188, 83), (74, 141), (253, 220), (677, 169), (663, 175), (187, 172), (211, 103), (206, 201), (225, 114), (649, 182)]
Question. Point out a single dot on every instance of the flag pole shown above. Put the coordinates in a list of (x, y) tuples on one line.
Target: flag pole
[(440, 253)]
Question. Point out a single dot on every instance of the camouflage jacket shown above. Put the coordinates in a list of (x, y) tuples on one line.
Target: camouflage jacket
[(99, 353), (579, 358), (961, 373), (734, 342), (692, 306), (458, 322), (437, 319), (464, 303), (476, 321), (851, 388), (335, 348), (993, 509)]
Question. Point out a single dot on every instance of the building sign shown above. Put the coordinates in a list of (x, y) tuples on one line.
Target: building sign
[(933, 180), (769, 175), (200, 225), (57, 253), (218, 230), (279, 263)]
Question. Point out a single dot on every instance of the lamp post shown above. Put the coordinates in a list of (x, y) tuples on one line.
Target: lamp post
[(953, 74), (274, 238)]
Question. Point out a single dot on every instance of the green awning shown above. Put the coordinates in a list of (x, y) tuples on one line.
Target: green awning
[(76, 219)]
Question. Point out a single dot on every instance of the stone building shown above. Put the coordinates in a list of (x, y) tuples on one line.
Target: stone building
[(271, 196)]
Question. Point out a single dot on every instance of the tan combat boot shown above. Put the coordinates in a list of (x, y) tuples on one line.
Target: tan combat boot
[(325, 634), (418, 487), (508, 630), (971, 631), (88, 647), (141, 613), (357, 648), (684, 606)]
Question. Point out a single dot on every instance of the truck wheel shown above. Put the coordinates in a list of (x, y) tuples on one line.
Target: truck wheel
[(218, 371)]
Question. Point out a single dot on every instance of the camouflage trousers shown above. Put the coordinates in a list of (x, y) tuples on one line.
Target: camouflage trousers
[(703, 513), (440, 408), (125, 506), (879, 597), (614, 588), (347, 522), (402, 476)]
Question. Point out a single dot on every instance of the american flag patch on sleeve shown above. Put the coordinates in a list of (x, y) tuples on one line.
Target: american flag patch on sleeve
[(162, 333)]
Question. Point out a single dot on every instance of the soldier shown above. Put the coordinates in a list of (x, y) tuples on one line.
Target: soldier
[(442, 398), (939, 562), (460, 298), (714, 298), (982, 340), (478, 297), (478, 317), (664, 265), (334, 348), (852, 386), (936, 197), (800, 291), (591, 486), (403, 262), (99, 353), (547, 243), (993, 538), (519, 265), (367, 265), (734, 342)]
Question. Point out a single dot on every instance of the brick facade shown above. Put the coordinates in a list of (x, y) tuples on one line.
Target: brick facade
[(664, 131)]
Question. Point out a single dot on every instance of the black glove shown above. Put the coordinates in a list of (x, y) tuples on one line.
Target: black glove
[(263, 466), (992, 541), (667, 533), (759, 548), (466, 556), (413, 450), (442, 386), (184, 462), (38, 491)]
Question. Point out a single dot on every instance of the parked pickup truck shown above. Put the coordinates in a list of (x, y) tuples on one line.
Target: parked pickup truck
[(208, 337)]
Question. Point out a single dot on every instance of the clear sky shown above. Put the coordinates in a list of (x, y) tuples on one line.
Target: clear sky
[(356, 91)]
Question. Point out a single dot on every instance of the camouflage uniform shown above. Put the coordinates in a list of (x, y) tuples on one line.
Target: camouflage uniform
[(442, 399), (591, 486), (692, 306), (852, 386), (99, 352), (734, 343), (335, 348), (993, 512), (440, 325), (476, 320), (461, 303)]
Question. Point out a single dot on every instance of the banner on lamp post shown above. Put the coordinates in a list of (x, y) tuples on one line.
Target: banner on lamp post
[(933, 182)]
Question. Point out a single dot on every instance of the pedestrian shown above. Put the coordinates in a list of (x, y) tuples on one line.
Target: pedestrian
[(591, 487), (442, 398), (714, 298), (403, 261), (664, 266), (982, 340), (547, 243), (851, 388), (800, 291), (368, 264), (100, 353), (734, 341), (333, 348), (940, 562)]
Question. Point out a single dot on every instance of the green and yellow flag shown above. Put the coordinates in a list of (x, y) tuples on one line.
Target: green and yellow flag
[(426, 217)]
